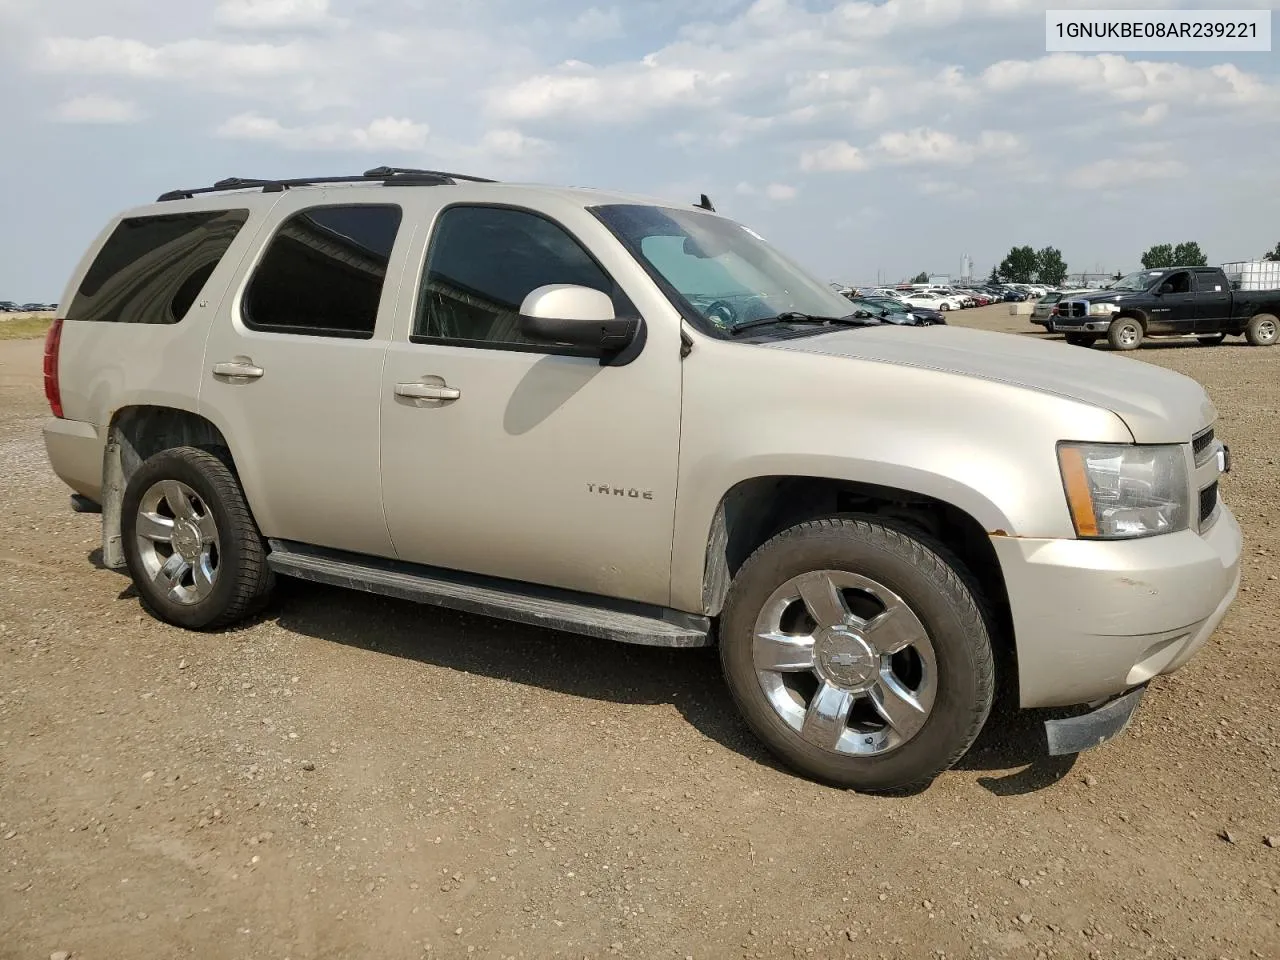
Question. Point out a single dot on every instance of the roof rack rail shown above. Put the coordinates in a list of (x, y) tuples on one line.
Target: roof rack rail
[(388, 176)]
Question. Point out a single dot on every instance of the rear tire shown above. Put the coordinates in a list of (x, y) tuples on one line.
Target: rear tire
[(1262, 330), (192, 548), (894, 688), (1125, 334), (1082, 339)]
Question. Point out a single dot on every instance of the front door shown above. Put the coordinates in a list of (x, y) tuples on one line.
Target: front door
[(1174, 306), (293, 372), (531, 463)]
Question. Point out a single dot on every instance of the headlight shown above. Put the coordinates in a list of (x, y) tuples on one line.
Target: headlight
[(1119, 491), (1101, 309)]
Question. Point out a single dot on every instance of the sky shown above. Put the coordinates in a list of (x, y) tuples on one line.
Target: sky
[(867, 140)]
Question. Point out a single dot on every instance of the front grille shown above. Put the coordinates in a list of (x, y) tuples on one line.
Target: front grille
[(1200, 443), (1208, 503), (1072, 308)]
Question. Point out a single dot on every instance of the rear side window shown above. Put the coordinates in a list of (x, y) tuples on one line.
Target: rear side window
[(322, 273), (152, 269)]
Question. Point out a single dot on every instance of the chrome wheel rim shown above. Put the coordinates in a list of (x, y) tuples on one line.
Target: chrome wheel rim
[(1128, 334), (845, 663), (1266, 330), (177, 541)]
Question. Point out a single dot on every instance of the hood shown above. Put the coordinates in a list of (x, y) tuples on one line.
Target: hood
[(1157, 405)]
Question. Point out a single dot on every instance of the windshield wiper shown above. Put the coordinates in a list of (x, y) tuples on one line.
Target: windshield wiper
[(792, 316)]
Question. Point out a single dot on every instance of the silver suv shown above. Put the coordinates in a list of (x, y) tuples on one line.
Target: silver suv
[(637, 421)]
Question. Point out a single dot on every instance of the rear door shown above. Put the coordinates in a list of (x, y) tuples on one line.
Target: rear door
[(1213, 301), (293, 363)]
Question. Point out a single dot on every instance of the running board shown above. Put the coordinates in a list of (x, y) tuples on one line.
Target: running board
[(546, 607)]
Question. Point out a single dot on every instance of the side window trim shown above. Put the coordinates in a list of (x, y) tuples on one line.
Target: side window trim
[(622, 303), (274, 231)]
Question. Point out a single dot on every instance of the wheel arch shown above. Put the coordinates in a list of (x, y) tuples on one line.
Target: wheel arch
[(756, 509), (134, 434)]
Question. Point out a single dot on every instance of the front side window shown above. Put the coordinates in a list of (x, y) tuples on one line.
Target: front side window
[(323, 272), (152, 269), (483, 262), (1137, 282), (722, 273)]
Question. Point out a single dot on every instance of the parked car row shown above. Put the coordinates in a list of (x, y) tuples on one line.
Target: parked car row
[(10, 306), (941, 298)]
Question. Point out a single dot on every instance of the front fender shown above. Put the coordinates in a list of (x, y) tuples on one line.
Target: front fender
[(985, 447)]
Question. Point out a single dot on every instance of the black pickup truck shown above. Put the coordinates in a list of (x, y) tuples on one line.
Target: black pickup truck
[(1171, 302)]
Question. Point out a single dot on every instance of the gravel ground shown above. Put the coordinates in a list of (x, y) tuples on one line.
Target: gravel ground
[(352, 776)]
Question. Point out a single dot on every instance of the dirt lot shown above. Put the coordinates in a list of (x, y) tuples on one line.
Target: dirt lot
[(353, 777)]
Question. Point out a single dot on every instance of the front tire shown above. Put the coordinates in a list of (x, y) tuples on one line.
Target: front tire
[(858, 653), (1081, 339), (1261, 330), (1125, 334), (195, 555)]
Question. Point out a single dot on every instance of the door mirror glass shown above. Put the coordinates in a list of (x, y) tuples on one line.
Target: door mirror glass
[(564, 313)]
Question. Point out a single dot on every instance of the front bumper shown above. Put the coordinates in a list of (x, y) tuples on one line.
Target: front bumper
[(1081, 324), (1093, 619)]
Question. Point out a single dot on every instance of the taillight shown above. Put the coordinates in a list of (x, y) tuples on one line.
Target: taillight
[(52, 341)]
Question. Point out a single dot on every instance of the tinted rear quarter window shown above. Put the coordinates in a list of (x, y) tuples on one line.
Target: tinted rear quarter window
[(322, 273), (152, 269)]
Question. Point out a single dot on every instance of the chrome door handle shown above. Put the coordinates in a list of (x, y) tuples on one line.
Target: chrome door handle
[(237, 370), (427, 391)]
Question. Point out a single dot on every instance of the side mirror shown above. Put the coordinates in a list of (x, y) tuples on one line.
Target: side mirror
[(574, 316), (862, 314), (1164, 288)]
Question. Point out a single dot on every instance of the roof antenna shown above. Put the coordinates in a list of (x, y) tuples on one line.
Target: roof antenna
[(705, 203)]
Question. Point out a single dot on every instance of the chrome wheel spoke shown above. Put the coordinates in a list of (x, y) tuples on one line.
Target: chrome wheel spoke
[(176, 497), (155, 528), (898, 706), (822, 599), (783, 653), (202, 572), (827, 716), (204, 523), (895, 629), (170, 574)]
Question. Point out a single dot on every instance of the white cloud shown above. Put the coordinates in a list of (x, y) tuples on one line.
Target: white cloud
[(615, 94), (98, 108), (1133, 81), (1124, 171), (274, 14), (1150, 116), (506, 144), (780, 191), (387, 133), (924, 145), (839, 155), (189, 59), (596, 24)]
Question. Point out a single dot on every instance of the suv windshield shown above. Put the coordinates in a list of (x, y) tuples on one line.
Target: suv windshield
[(725, 274), (1137, 282)]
